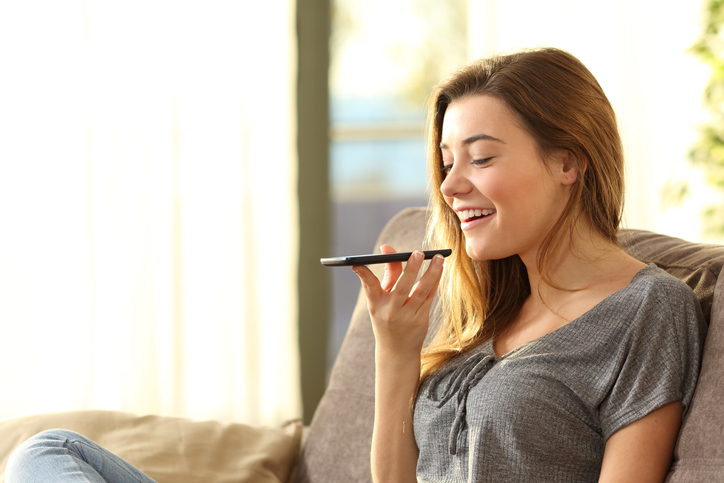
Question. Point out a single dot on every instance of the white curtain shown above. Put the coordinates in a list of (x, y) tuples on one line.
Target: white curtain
[(148, 209), (638, 51)]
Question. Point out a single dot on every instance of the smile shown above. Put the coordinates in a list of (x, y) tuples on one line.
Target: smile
[(470, 215)]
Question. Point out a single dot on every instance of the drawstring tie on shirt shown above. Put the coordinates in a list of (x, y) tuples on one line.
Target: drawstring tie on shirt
[(464, 377)]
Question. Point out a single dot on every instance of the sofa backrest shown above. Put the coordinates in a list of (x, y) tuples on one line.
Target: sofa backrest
[(338, 443)]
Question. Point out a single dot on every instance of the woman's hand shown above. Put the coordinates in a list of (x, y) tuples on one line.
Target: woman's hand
[(400, 307), (400, 311)]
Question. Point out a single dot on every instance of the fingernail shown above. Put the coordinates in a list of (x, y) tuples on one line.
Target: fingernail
[(417, 256), (439, 260)]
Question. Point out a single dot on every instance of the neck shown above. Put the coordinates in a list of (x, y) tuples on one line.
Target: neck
[(578, 263)]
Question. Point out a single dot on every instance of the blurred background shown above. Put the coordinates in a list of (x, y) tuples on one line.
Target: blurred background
[(171, 172)]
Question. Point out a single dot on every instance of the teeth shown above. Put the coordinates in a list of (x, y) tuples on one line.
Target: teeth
[(467, 214)]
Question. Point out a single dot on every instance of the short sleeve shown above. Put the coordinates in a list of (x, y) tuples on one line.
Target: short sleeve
[(658, 360)]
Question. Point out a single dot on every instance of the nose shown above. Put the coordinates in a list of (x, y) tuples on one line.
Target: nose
[(455, 183)]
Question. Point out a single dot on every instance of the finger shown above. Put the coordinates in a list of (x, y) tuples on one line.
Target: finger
[(425, 289), (386, 249), (407, 279), (392, 270), (370, 283)]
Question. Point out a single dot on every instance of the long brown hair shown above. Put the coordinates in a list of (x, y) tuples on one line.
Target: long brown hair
[(562, 106)]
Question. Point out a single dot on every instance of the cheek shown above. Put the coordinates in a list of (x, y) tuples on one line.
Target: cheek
[(517, 200), (500, 190)]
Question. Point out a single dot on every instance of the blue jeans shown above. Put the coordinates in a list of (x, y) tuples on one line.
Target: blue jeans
[(60, 456)]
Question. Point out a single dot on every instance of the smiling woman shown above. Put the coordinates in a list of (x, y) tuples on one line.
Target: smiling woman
[(557, 352)]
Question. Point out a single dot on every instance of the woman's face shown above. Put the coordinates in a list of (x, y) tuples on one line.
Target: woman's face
[(507, 199)]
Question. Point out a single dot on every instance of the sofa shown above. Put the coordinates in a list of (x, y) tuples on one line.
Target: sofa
[(335, 446)]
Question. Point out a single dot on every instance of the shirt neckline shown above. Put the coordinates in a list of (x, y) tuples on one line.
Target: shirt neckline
[(489, 344)]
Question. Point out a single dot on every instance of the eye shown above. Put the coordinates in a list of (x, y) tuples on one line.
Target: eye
[(445, 170), (481, 162)]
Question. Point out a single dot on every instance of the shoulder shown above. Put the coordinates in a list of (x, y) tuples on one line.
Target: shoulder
[(658, 347), (654, 284), (662, 304), (657, 302)]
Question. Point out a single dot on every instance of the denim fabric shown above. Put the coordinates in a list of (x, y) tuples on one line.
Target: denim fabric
[(62, 456)]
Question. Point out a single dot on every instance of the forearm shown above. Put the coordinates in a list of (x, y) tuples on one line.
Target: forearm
[(399, 307), (394, 451)]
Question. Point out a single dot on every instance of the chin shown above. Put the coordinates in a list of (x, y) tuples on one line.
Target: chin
[(476, 254), (483, 254)]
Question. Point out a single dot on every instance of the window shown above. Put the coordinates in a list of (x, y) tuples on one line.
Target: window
[(385, 58)]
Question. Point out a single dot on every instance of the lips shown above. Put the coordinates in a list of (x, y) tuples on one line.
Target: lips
[(473, 214)]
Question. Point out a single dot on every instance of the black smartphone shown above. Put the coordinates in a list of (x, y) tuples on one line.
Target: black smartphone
[(378, 258)]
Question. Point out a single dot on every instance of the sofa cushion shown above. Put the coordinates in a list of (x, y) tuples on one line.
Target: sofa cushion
[(340, 435), (173, 450), (696, 264), (699, 453)]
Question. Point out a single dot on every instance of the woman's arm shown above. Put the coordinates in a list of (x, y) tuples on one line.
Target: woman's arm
[(399, 309), (394, 451), (642, 451)]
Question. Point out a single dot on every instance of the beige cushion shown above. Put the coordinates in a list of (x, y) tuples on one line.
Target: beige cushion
[(173, 450)]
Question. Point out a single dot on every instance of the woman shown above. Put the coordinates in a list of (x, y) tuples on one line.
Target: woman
[(559, 357)]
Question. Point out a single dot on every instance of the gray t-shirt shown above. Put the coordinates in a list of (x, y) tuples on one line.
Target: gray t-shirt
[(543, 412)]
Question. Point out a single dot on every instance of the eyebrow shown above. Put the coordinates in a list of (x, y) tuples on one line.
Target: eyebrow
[(476, 137)]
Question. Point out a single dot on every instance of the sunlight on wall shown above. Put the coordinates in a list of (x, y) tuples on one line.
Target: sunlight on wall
[(143, 147), (370, 62)]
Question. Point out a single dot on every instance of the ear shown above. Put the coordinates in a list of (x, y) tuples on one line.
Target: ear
[(570, 167)]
